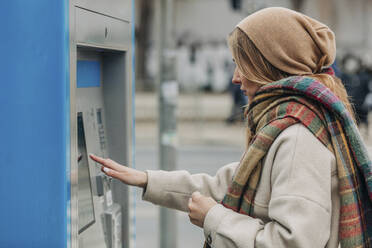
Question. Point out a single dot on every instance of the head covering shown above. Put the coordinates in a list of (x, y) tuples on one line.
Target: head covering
[(291, 41)]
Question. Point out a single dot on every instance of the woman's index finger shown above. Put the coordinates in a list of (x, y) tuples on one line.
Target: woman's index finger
[(105, 162), (97, 159)]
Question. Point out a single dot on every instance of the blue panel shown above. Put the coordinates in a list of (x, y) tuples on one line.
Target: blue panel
[(34, 107), (88, 74)]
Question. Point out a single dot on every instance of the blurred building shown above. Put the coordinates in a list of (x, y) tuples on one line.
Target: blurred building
[(202, 26)]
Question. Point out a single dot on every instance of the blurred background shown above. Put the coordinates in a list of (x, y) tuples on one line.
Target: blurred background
[(210, 130)]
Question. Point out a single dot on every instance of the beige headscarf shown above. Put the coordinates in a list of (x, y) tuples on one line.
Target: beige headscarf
[(291, 41)]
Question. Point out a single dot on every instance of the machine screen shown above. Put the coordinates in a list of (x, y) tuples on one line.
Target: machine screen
[(85, 197)]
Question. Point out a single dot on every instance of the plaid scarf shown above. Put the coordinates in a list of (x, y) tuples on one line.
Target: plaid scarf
[(298, 99)]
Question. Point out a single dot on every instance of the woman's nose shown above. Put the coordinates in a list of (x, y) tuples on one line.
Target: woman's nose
[(236, 78)]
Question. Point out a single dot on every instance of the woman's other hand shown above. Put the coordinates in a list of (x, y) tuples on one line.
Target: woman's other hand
[(125, 174), (199, 206)]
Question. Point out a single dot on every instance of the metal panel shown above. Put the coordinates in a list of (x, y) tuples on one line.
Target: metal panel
[(87, 101), (100, 34), (120, 9), (114, 99), (118, 105), (101, 31)]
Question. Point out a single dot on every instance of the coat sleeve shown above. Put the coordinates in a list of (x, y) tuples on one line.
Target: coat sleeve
[(299, 209), (173, 189)]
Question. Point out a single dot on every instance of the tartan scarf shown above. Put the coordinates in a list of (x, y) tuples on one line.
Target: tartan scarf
[(300, 99)]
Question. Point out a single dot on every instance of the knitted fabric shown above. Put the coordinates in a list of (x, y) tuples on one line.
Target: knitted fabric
[(291, 41), (299, 99)]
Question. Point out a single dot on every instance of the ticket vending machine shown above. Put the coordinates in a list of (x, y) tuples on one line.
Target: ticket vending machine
[(103, 205), (66, 91), (100, 52)]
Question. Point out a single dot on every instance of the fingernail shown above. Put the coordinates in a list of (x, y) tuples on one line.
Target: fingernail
[(106, 169)]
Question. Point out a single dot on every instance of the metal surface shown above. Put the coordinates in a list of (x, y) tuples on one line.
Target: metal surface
[(102, 31), (111, 100), (114, 8), (108, 40), (113, 221), (88, 100), (118, 105)]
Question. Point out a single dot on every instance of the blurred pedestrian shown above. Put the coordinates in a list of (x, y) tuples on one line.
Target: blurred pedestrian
[(305, 177), (336, 69), (368, 100), (356, 80), (239, 100)]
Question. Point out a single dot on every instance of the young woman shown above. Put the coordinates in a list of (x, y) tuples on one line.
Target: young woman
[(305, 179)]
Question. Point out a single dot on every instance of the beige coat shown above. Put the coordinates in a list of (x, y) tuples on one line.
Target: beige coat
[(297, 202)]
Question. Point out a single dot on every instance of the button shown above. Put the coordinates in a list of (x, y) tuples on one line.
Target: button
[(209, 239)]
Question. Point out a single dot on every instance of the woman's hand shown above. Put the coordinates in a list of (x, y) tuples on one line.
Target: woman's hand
[(125, 174), (199, 206)]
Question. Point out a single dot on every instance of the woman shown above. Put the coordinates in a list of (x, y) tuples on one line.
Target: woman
[(305, 179)]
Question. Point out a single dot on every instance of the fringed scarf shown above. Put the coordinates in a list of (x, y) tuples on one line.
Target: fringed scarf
[(298, 99)]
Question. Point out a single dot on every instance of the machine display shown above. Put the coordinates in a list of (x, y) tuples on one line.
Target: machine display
[(85, 197)]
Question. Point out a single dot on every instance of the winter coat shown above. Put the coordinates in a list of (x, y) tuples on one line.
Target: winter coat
[(297, 202)]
